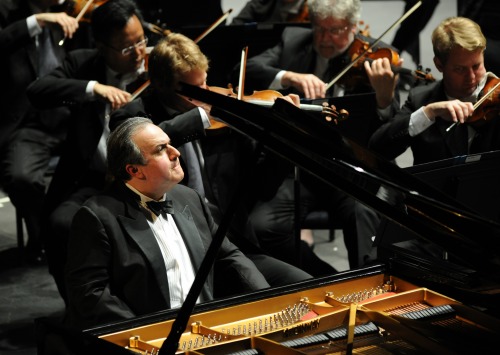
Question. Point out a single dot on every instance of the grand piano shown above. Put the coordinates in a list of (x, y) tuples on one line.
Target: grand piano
[(436, 289)]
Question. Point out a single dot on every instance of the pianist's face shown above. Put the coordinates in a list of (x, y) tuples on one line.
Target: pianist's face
[(332, 36), (162, 170)]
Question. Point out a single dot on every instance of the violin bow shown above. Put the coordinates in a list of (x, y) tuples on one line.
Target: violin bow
[(214, 25), (199, 38), (478, 103), (79, 17), (241, 81), (401, 19)]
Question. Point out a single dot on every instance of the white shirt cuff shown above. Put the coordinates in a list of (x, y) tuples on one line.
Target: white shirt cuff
[(276, 83), (419, 122), (204, 118), (89, 91), (33, 27)]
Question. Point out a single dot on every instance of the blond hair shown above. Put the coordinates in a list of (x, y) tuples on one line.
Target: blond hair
[(172, 57), (456, 32)]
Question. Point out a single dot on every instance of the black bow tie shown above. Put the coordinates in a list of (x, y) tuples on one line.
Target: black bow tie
[(161, 207)]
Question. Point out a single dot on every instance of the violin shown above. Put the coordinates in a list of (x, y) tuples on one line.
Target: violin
[(488, 106), (82, 9), (301, 16), (266, 98), (362, 48)]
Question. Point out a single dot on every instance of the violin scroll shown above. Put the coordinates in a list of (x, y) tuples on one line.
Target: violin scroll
[(332, 115)]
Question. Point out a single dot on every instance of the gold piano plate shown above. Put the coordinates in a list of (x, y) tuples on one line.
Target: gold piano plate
[(380, 301)]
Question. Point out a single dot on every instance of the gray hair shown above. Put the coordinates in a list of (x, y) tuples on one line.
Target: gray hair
[(340, 9), (122, 150)]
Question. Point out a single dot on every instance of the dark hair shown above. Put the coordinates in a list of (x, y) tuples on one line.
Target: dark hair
[(122, 150), (112, 16)]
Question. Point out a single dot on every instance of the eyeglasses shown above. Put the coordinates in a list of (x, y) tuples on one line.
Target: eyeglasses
[(128, 50), (335, 31)]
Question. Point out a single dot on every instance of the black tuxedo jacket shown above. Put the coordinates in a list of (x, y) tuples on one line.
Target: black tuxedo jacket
[(115, 268), (435, 143), (18, 68)]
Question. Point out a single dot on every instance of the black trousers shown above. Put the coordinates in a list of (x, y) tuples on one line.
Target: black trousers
[(274, 222), (25, 163)]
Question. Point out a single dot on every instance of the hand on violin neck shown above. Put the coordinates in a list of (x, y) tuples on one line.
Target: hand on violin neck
[(382, 79), (452, 111), (309, 84), (66, 23), (292, 98)]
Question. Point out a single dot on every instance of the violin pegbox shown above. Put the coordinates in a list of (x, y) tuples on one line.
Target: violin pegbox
[(332, 115)]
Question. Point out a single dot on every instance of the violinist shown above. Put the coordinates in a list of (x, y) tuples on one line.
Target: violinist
[(212, 163), (303, 62), (29, 32), (425, 119), (91, 83), (307, 59)]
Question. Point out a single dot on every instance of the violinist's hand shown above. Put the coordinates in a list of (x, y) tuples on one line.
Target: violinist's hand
[(114, 96), (453, 111), (292, 98), (312, 86), (382, 79), (67, 23)]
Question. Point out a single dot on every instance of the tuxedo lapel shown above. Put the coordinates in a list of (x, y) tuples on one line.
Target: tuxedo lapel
[(185, 223), (138, 229), (189, 232)]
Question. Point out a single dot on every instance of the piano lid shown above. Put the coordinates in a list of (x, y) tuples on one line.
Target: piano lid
[(318, 147)]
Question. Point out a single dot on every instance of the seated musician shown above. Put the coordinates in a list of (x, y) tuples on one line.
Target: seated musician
[(128, 257), (303, 62), (425, 119), (91, 82), (214, 160)]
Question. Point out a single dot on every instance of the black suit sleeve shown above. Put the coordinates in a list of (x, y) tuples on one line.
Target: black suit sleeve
[(67, 84), (91, 300), (182, 128)]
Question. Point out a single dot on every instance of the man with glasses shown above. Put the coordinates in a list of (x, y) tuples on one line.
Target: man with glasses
[(307, 59), (92, 83), (304, 62)]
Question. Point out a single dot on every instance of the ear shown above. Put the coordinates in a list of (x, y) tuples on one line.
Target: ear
[(133, 171), (438, 64)]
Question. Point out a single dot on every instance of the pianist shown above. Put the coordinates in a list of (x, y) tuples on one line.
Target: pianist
[(127, 257)]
